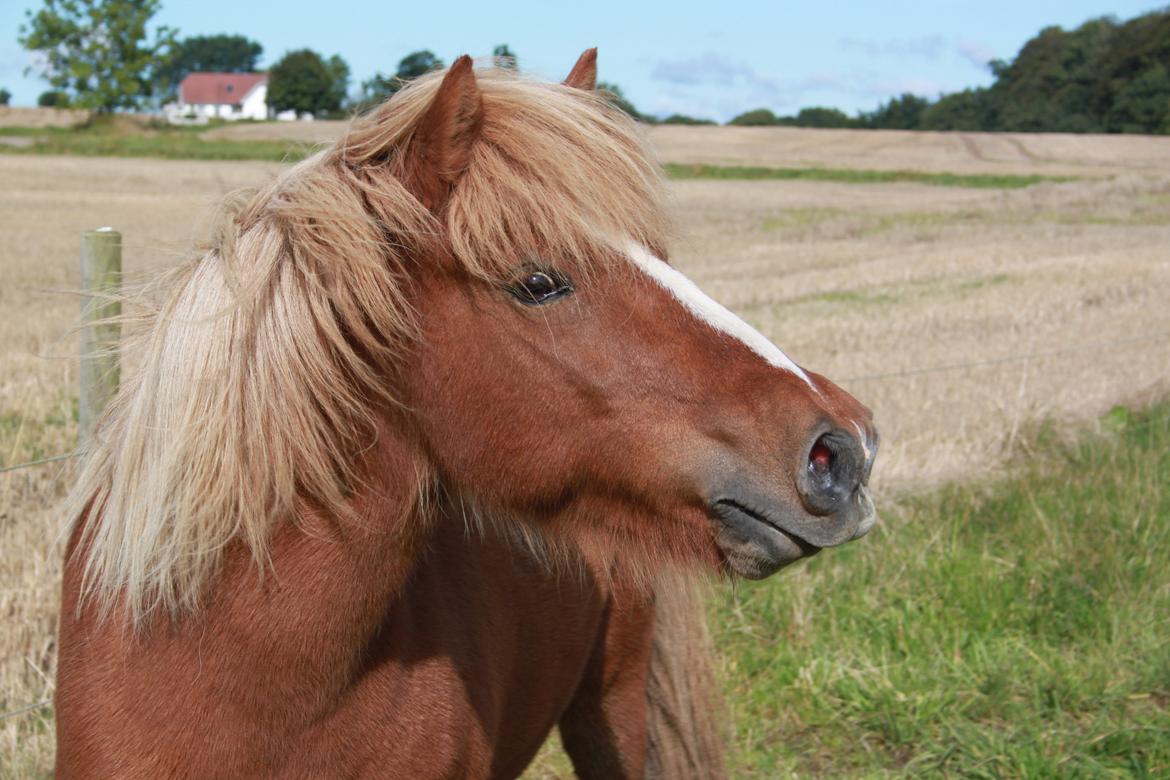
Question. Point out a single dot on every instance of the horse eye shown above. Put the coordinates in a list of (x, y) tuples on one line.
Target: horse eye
[(539, 287)]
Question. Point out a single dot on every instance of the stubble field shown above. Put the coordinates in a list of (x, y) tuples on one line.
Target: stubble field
[(962, 316)]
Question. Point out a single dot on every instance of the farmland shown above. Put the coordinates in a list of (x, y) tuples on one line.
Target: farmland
[(1015, 593)]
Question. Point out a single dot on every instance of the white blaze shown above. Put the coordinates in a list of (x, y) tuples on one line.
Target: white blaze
[(710, 311)]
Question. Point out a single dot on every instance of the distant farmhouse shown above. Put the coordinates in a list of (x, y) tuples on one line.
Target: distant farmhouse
[(204, 96)]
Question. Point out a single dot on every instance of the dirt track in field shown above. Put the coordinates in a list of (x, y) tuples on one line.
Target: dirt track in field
[(859, 282)]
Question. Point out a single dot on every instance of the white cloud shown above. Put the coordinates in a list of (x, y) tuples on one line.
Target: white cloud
[(975, 53), (715, 86), (709, 68), (930, 47)]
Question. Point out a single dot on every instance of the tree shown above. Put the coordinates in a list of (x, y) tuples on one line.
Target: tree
[(755, 117), (683, 119), (416, 64), (211, 54), (613, 95), (900, 113), (1143, 104), (503, 57), (819, 116), (413, 65), (303, 82), (339, 74), (53, 98), (377, 89), (99, 50), (1049, 85), (5, 96), (1131, 92), (970, 110)]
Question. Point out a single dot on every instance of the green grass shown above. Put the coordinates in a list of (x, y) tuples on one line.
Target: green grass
[(169, 146), (859, 176), (107, 139), (1011, 629), (31, 436)]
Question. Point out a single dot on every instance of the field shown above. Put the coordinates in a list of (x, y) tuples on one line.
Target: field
[(995, 628)]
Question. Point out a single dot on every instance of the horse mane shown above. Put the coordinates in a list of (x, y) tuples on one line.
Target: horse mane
[(687, 715), (262, 375)]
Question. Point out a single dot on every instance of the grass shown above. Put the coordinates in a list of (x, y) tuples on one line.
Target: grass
[(114, 139), (110, 139), (23, 436), (1010, 629), (860, 176)]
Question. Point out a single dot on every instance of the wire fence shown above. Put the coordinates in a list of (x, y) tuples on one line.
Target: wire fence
[(103, 372), (1097, 346), (36, 705), (1086, 348), (41, 462)]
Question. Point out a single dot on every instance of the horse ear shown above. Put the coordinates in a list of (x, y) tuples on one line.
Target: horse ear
[(444, 137), (584, 73)]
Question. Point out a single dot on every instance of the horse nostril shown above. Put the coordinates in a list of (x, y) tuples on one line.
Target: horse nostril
[(833, 470), (820, 458)]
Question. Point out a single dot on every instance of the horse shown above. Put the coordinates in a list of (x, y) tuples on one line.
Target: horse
[(420, 456)]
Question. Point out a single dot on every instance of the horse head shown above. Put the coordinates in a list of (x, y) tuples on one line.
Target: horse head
[(566, 376)]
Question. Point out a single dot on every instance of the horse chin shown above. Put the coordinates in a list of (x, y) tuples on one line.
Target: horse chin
[(753, 548)]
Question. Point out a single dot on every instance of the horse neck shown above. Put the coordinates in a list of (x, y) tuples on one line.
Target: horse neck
[(329, 582)]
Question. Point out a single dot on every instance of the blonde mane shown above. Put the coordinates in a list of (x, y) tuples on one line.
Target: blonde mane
[(261, 376)]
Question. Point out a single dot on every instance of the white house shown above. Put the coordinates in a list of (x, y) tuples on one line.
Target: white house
[(204, 96)]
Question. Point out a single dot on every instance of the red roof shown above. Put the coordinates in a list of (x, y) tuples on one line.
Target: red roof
[(218, 88)]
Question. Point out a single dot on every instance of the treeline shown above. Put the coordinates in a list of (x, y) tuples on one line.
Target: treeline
[(1105, 76)]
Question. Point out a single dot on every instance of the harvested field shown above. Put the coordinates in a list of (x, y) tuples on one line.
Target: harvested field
[(1046, 154), (1018, 153), (921, 300), (19, 116)]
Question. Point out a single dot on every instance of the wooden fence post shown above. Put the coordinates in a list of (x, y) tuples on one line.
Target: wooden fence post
[(101, 279)]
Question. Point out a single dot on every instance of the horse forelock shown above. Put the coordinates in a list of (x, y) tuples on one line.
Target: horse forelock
[(262, 377)]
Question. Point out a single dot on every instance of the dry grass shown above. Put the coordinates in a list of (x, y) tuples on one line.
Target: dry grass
[(796, 147), (851, 280), (19, 116), (965, 153)]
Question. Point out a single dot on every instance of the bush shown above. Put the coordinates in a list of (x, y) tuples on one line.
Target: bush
[(53, 98), (900, 113), (819, 116), (683, 119), (755, 118)]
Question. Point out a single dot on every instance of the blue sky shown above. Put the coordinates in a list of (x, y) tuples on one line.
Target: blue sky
[(712, 59)]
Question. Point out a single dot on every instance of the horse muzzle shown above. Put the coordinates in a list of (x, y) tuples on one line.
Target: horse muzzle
[(761, 530)]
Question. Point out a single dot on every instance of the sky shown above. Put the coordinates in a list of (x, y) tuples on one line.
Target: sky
[(713, 59)]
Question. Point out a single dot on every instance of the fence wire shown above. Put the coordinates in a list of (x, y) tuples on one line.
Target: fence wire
[(40, 462), (1080, 348), (939, 369), (26, 708)]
